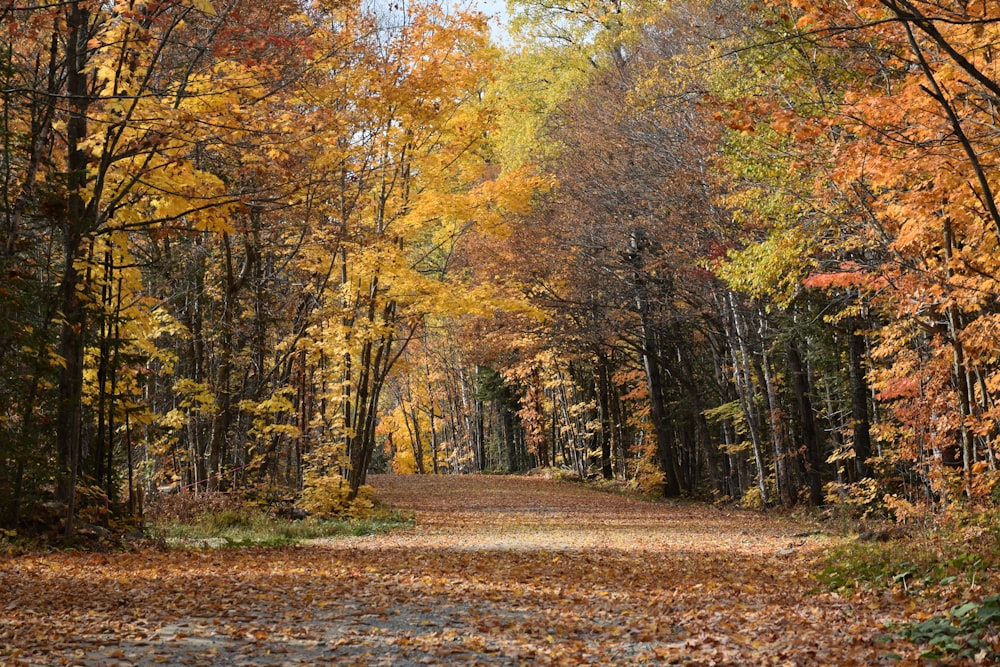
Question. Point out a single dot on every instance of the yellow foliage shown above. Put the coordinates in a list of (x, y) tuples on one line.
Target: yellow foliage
[(650, 478), (752, 499), (204, 6), (863, 496), (404, 463), (194, 395), (328, 494)]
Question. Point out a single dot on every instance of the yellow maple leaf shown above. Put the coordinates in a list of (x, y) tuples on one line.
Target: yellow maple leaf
[(204, 6)]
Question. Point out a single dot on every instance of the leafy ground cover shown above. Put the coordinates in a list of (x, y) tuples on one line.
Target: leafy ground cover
[(250, 528), (947, 569), (495, 571)]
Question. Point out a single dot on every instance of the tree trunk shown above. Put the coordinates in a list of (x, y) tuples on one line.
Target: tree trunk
[(75, 227), (508, 431), (658, 413), (807, 423), (859, 402), (787, 491), (604, 403), (744, 386)]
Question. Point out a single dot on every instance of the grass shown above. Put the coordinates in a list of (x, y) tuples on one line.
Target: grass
[(957, 553), (902, 564), (240, 528)]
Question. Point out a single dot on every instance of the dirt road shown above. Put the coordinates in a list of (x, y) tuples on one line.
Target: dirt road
[(497, 571)]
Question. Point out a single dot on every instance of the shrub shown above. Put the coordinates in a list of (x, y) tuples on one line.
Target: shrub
[(188, 507), (328, 496)]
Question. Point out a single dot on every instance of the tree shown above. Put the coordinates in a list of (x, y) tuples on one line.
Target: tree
[(100, 121), (624, 227), (254, 210), (896, 223)]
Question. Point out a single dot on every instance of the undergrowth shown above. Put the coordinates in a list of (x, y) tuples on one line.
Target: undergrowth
[(952, 566), (231, 521), (966, 631), (256, 529)]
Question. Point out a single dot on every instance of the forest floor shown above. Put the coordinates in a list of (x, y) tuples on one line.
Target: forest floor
[(496, 571)]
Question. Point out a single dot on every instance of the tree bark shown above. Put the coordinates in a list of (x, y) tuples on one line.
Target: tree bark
[(807, 422), (744, 387), (75, 228), (859, 402), (604, 404)]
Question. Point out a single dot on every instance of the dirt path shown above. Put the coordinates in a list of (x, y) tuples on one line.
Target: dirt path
[(497, 571)]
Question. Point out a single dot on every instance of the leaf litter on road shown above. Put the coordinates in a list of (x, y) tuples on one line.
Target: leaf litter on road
[(496, 571)]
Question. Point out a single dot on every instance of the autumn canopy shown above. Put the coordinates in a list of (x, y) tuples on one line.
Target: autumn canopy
[(728, 250)]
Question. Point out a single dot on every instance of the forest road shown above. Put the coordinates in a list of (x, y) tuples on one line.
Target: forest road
[(496, 571)]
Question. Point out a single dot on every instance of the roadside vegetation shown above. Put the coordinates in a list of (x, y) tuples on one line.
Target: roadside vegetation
[(232, 520), (947, 571)]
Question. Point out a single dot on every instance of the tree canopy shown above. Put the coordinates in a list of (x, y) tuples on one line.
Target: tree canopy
[(728, 250)]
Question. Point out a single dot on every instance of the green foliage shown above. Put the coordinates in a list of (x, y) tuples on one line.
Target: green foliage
[(910, 566), (727, 411), (532, 87), (961, 632), (772, 268), (28, 366), (491, 385), (944, 560), (230, 528)]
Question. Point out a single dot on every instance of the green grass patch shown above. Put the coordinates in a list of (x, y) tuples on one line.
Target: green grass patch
[(955, 553), (243, 528), (905, 565)]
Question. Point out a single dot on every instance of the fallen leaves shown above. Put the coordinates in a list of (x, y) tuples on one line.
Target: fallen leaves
[(497, 571)]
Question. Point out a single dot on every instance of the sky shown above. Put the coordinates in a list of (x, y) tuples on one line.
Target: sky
[(491, 7), (495, 9)]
